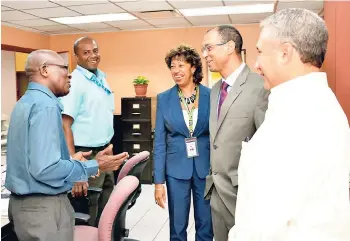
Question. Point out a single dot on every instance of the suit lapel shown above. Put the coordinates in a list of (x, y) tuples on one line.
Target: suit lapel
[(232, 96), (176, 114), (214, 100), (202, 110)]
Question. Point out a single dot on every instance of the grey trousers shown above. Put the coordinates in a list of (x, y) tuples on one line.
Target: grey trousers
[(42, 218), (222, 218)]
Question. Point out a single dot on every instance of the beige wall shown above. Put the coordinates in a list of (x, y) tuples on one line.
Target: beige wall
[(8, 82), (125, 55), (25, 39)]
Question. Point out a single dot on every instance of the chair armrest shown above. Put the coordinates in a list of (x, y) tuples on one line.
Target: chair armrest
[(82, 217)]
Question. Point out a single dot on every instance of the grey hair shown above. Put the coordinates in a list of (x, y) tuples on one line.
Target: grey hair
[(304, 29)]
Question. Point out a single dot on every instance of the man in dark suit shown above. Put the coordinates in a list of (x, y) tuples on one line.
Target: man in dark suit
[(238, 103)]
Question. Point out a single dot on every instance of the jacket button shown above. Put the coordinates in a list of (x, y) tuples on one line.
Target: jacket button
[(215, 147)]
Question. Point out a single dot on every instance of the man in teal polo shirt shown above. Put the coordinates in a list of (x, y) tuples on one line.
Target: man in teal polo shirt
[(88, 118)]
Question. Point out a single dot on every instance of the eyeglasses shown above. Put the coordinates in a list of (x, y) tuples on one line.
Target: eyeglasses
[(65, 66), (209, 47)]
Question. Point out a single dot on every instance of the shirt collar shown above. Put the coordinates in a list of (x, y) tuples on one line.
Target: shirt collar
[(296, 86), (89, 75), (47, 91), (301, 82), (232, 77)]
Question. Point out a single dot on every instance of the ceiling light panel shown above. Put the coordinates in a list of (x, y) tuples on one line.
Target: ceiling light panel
[(95, 18)]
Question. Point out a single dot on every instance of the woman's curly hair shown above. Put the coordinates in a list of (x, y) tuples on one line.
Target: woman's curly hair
[(189, 55)]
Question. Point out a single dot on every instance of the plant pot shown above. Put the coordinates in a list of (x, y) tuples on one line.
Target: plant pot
[(140, 90)]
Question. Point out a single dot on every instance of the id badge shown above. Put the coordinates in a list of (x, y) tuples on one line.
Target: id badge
[(191, 147)]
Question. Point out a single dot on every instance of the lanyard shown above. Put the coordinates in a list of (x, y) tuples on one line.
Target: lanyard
[(98, 83), (189, 111)]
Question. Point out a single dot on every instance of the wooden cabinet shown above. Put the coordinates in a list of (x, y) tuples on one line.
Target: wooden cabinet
[(137, 131)]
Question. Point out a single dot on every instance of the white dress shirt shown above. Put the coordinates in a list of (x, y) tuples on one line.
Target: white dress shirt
[(231, 79), (294, 173)]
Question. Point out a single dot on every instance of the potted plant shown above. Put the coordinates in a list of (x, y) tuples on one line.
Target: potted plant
[(140, 84)]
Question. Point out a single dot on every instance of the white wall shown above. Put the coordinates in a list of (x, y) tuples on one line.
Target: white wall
[(8, 82)]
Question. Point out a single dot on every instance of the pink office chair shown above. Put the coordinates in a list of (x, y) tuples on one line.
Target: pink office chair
[(134, 167), (112, 222)]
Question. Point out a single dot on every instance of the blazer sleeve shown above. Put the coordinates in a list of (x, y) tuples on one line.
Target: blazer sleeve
[(159, 145), (261, 107)]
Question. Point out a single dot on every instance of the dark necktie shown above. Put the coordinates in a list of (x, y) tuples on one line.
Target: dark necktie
[(223, 94)]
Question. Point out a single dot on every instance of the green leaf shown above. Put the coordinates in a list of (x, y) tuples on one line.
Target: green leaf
[(140, 80)]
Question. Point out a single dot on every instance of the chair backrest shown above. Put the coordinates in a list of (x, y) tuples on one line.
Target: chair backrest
[(134, 166), (112, 222)]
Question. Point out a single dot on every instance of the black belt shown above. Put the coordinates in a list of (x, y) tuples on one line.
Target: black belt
[(99, 148), (37, 194)]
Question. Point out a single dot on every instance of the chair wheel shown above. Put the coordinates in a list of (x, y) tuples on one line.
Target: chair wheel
[(126, 233)]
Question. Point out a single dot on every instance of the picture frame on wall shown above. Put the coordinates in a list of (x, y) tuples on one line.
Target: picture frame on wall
[(213, 77)]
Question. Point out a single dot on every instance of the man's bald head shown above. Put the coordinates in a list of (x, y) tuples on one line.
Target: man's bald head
[(87, 54), (82, 40), (48, 68), (39, 57)]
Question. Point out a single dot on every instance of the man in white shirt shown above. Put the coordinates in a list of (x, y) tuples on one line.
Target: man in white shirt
[(293, 174)]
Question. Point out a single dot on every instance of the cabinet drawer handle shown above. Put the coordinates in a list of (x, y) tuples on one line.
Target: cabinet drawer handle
[(136, 113), (136, 134)]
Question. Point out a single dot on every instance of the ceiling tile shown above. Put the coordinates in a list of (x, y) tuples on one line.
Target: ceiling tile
[(16, 15), (55, 28), (161, 14), (137, 28), (28, 4), (64, 32), (75, 3), (34, 22), (173, 25), (120, 1), (90, 25), (20, 27), (144, 6), (129, 24), (209, 20), (3, 8), (234, 2), (97, 8), (310, 4), (10, 24), (53, 12), (102, 30), (181, 4), (167, 21), (248, 18)]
